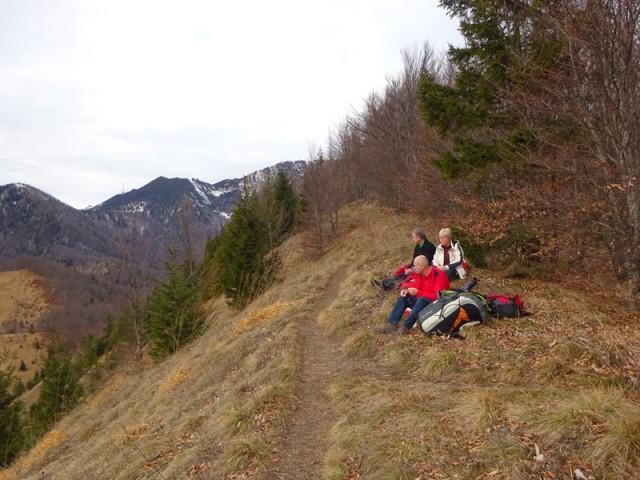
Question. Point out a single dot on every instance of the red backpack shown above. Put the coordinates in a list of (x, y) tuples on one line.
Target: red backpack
[(504, 306)]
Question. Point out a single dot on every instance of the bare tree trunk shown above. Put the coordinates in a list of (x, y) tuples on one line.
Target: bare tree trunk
[(134, 249)]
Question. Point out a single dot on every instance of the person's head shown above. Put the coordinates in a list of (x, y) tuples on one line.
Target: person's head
[(418, 236), (421, 265), (445, 237)]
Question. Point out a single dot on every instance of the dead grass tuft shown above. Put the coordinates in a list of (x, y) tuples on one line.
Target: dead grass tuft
[(617, 451), (502, 450), (136, 433), (175, 379), (240, 454), (601, 422), (262, 315), (437, 362), (361, 344), (481, 409), (398, 355)]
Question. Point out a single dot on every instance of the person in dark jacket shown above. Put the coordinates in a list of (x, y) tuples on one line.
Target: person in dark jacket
[(422, 246), (417, 291)]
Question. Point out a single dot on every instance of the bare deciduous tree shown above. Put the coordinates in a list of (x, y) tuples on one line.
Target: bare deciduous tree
[(386, 147), (134, 248), (314, 197), (584, 106)]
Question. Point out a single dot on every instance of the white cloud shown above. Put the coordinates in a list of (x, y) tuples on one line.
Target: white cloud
[(100, 93)]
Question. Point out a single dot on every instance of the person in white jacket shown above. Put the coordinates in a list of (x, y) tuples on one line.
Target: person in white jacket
[(449, 256)]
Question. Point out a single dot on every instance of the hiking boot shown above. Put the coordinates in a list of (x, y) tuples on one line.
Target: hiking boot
[(401, 332), (388, 285), (467, 287), (386, 328), (376, 283)]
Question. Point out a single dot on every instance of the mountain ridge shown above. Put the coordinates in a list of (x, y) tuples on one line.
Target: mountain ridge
[(35, 223)]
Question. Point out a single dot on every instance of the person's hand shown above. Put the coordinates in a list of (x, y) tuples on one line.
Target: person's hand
[(412, 291), (403, 292), (408, 271)]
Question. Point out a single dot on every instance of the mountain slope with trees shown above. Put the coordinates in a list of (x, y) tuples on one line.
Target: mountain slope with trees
[(523, 141), (543, 119), (540, 396)]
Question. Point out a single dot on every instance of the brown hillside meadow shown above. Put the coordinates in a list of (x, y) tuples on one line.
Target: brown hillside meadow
[(24, 298), (298, 386)]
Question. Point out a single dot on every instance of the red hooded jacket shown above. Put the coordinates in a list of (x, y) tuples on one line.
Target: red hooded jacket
[(428, 285)]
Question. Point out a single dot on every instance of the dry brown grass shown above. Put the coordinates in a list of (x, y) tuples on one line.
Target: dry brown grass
[(24, 298), (531, 398), (52, 439)]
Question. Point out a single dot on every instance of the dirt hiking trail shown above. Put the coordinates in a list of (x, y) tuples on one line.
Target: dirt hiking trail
[(300, 456)]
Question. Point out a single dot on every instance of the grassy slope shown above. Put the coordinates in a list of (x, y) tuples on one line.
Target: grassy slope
[(26, 297), (561, 384)]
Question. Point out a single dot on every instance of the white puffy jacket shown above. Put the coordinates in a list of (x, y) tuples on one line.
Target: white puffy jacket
[(456, 258)]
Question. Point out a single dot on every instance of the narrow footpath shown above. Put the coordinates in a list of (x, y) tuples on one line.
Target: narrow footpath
[(307, 427)]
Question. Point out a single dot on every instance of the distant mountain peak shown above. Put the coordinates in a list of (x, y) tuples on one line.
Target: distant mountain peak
[(33, 222)]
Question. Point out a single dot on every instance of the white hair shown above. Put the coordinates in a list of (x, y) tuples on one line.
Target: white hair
[(445, 232)]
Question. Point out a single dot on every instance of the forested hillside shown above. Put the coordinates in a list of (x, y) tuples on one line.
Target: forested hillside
[(534, 125), (298, 385), (258, 360)]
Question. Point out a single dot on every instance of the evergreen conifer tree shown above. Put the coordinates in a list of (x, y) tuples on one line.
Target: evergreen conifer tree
[(173, 316), (241, 256), (60, 390), (11, 427), (484, 129), (287, 203), (208, 271)]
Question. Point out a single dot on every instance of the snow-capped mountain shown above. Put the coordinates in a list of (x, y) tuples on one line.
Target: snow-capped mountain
[(36, 224)]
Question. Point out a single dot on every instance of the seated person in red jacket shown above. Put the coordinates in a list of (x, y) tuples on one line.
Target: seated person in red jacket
[(422, 246), (417, 291)]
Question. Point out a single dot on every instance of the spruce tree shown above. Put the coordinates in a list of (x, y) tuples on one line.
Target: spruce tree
[(208, 271), (173, 316), (60, 390), (243, 266), (287, 203), (11, 427), (483, 128)]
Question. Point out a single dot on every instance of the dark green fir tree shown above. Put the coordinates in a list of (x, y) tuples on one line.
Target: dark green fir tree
[(11, 425), (173, 316), (472, 113), (60, 390), (242, 262)]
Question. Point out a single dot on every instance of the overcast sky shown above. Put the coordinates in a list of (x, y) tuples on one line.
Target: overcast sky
[(97, 96)]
